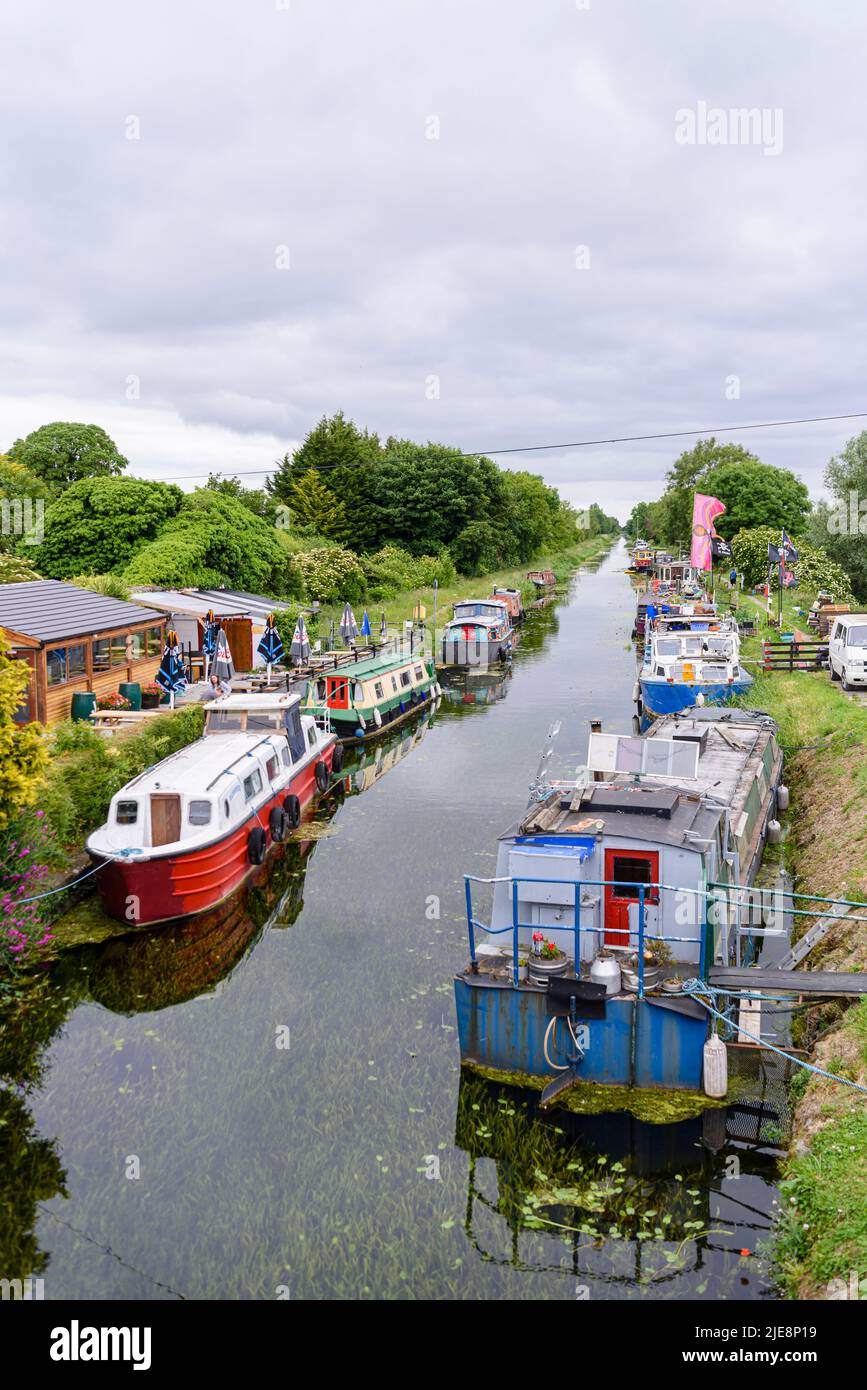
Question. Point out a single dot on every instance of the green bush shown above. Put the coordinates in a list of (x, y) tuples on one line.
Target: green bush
[(86, 770), (332, 575)]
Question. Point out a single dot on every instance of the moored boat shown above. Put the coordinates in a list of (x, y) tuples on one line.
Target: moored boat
[(363, 698), (479, 634), (543, 579), (183, 835), (690, 665), (515, 602), (602, 906)]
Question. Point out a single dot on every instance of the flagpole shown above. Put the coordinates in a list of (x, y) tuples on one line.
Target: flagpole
[(780, 591)]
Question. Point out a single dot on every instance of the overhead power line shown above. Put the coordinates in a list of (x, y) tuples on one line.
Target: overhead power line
[(572, 444)]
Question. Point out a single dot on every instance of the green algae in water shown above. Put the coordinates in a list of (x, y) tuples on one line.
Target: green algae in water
[(591, 1098)]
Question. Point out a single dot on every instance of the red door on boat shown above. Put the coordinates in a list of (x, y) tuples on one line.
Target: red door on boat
[(338, 694), (624, 871)]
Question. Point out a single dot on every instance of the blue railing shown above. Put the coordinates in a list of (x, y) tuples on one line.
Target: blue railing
[(643, 889)]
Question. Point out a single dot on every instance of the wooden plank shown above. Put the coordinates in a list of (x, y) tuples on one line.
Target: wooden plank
[(836, 982)]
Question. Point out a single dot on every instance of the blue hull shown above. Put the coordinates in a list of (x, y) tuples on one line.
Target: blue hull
[(658, 696), (652, 1043)]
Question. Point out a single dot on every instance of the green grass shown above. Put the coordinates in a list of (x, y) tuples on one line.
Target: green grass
[(400, 608)]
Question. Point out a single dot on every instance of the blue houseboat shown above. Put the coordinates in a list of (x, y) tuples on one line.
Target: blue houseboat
[(689, 662), (604, 904)]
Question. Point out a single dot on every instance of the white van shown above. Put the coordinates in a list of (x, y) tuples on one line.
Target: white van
[(847, 650)]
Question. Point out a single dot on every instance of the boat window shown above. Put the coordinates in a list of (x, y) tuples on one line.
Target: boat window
[(692, 646), (404, 678), (419, 673), (294, 732), (264, 719), (358, 693), (226, 812), (252, 785), (394, 682), (311, 735), (273, 768), (199, 813), (378, 690), (127, 812), (226, 721), (321, 690), (286, 757), (668, 646), (628, 873), (857, 636)]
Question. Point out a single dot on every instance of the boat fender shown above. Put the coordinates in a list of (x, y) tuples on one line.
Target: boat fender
[(775, 832), (278, 824), (337, 758), (377, 718), (782, 798), (636, 693), (402, 707), (361, 723), (257, 845), (321, 775), (292, 807), (715, 1068)]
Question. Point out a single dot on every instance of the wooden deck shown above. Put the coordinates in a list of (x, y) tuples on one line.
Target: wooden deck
[(830, 982)]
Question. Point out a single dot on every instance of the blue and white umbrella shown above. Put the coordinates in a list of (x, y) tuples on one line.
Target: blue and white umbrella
[(366, 630), (209, 639), (171, 676), (300, 648), (270, 646), (224, 668), (348, 625)]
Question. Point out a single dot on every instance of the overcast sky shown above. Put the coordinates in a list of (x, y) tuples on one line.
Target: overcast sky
[(435, 287)]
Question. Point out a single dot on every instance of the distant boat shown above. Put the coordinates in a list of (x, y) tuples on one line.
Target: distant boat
[(479, 634), (543, 579), (685, 666)]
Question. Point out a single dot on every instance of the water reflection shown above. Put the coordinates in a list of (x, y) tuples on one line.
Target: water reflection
[(618, 1205)]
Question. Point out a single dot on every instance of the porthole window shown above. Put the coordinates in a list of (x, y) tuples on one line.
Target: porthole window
[(199, 813), (127, 812)]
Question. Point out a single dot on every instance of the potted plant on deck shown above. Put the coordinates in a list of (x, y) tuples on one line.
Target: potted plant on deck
[(151, 694)]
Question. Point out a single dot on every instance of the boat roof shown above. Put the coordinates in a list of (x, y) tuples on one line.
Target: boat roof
[(195, 769), (277, 699), (371, 666), (659, 809), (491, 598), (479, 620)]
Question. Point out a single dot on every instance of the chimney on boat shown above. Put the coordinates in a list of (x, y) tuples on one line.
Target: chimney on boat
[(596, 728)]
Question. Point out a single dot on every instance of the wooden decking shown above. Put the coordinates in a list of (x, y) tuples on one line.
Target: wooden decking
[(831, 982)]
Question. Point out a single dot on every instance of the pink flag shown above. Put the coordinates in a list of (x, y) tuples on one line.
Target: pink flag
[(703, 512)]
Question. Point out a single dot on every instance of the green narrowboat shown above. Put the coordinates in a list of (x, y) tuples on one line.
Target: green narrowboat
[(364, 698)]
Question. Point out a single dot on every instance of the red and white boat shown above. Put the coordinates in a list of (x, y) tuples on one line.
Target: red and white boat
[(183, 835)]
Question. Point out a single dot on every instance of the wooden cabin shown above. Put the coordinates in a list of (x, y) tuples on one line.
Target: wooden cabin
[(75, 640)]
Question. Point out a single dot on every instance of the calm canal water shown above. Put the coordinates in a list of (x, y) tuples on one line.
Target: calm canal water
[(284, 1078)]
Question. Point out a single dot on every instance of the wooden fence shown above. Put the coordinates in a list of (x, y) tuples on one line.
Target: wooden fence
[(794, 656)]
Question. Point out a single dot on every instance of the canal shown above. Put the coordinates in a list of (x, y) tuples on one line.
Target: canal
[(268, 1103)]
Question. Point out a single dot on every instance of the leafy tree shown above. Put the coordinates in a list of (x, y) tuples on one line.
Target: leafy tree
[(14, 569), (841, 528), (815, 568), (23, 752), (686, 476), (111, 585), (63, 453), (475, 548), (314, 508), (757, 494), (213, 540), (20, 491), (345, 457), (257, 500), (529, 517), (98, 524)]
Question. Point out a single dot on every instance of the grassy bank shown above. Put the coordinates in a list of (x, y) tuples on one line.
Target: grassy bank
[(400, 608), (822, 1232)]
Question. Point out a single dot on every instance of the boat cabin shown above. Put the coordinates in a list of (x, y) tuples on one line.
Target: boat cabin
[(360, 698)]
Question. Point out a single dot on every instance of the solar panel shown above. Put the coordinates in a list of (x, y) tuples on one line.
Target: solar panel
[(662, 757)]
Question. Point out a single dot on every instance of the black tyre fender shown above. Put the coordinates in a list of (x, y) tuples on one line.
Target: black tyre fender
[(321, 775), (337, 758), (292, 808), (257, 845), (278, 824)]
